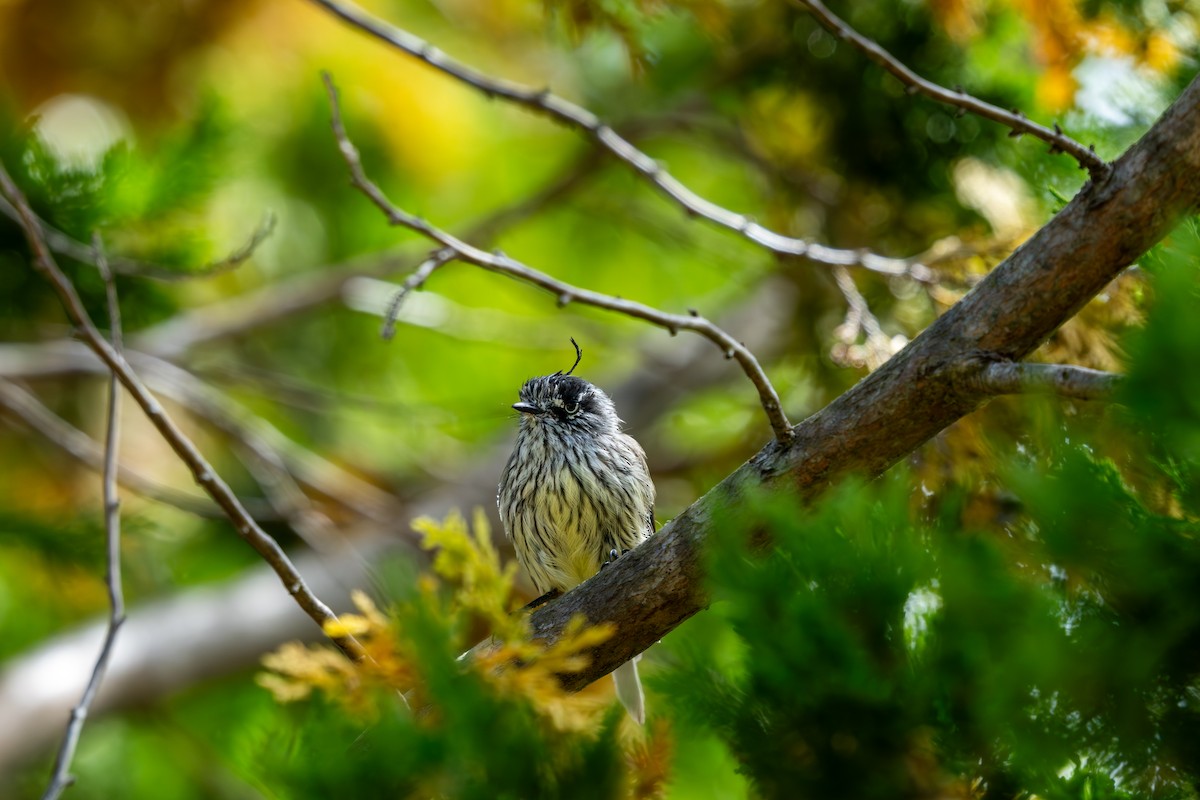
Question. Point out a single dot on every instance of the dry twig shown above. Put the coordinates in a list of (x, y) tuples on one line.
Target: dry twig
[(61, 776), (543, 101), (1059, 142), (203, 472), (565, 293)]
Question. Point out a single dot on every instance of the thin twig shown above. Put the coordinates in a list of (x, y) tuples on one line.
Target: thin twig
[(288, 499), (203, 472), (24, 407), (415, 280), (61, 777), (1059, 142), (859, 319), (65, 245), (271, 304), (565, 293), (1078, 383), (63, 357), (543, 101)]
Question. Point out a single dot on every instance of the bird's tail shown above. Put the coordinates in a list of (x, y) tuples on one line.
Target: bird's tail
[(629, 690)]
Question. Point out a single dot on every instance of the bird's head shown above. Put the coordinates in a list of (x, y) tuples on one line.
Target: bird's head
[(567, 403)]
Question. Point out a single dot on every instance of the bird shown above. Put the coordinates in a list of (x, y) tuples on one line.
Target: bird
[(576, 493)]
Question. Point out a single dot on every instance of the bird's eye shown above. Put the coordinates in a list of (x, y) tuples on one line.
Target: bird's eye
[(571, 408)]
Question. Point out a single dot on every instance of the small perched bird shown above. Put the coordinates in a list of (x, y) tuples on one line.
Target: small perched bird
[(576, 493)]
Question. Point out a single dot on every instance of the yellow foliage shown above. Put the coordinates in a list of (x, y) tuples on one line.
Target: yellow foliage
[(960, 18), (471, 563), (649, 760), (297, 669), (790, 127), (530, 669), (482, 589)]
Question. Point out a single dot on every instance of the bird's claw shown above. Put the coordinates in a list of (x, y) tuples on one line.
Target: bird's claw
[(613, 555)]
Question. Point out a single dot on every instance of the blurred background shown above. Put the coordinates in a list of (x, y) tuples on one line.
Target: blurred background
[(194, 138)]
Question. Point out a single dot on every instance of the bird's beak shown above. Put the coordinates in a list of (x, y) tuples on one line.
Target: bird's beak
[(526, 408)]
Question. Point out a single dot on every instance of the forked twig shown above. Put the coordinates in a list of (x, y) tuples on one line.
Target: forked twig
[(564, 292)]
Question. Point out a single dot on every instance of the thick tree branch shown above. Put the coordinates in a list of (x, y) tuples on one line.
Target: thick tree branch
[(203, 472), (544, 102), (925, 387), (565, 293), (1015, 120), (1079, 383)]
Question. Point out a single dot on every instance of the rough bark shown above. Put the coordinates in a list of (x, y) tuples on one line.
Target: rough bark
[(920, 391)]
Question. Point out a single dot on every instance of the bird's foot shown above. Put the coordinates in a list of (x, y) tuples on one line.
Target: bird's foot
[(536, 603), (613, 555)]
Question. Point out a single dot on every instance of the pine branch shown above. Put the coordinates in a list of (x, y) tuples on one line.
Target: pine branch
[(65, 245)]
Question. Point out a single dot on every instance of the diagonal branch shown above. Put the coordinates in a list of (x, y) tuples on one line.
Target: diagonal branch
[(1058, 141), (1079, 383), (61, 776), (928, 385), (543, 101), (566, 293), (203, 472)]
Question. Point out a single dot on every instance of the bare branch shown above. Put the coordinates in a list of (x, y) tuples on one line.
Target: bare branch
[(1079, 383), (544, 102), (296, 295), (288, 499), (202, 632), (1059, 142), (565, 293), (415, 280), (203, 472), (61, 776)]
